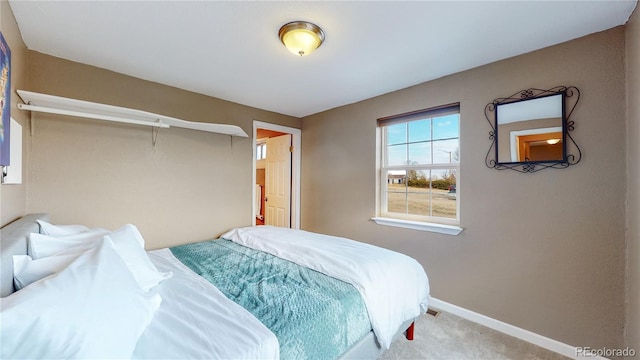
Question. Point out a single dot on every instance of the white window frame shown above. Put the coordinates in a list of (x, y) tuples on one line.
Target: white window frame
[(415, 222), (261, 149)]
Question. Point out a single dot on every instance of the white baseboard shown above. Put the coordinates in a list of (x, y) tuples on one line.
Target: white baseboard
[(522, 334)]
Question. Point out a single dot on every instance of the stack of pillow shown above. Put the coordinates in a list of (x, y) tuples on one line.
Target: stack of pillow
[(83, 293)]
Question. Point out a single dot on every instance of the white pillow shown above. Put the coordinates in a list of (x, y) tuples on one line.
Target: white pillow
[(133, 233), (60, 230), (91, 309), (45, 245), (27, 270), (126, 240)]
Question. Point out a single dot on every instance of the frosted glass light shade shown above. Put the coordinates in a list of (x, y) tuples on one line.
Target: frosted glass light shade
[(301, 38)]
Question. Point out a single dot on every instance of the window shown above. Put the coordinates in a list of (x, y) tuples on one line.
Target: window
[(261, 151), (420, 163)]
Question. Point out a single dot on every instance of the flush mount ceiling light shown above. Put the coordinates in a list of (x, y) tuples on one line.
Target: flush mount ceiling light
[(301, 37)]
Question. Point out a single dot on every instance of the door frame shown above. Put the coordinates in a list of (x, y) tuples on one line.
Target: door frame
[(296, 136)]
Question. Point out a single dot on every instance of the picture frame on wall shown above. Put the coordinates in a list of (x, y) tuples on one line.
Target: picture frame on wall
[(5, 102)]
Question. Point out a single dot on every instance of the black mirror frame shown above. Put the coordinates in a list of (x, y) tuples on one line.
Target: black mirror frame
[(571, 96)]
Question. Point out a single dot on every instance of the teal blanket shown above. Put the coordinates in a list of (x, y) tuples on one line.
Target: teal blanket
[(313, 315)]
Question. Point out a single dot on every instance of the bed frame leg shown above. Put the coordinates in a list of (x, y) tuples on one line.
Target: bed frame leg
[(409, 333)]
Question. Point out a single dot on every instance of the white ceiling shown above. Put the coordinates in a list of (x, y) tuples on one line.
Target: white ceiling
[(231, 50)]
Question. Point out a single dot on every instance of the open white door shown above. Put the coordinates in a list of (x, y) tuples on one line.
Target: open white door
[(278, 182)]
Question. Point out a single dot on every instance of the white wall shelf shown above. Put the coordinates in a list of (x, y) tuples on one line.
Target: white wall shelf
[(85, 109)]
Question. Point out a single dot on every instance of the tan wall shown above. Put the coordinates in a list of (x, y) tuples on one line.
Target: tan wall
[(632, 328), (543, 251), (14, 197), (191, 186)]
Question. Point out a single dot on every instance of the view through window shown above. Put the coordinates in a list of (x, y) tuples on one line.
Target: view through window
[(420, 165)]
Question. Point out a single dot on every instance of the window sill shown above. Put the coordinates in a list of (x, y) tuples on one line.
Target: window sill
[(417, 225)]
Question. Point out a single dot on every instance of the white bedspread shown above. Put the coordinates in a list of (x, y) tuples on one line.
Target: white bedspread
[(196, 321), (394, 286)]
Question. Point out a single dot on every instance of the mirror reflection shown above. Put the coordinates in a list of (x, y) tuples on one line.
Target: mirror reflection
[(531, 130)]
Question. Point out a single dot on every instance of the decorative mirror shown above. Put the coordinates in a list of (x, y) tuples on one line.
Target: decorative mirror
[(531, 130)]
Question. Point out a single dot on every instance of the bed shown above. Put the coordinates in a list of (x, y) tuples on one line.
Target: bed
[(199, 309)]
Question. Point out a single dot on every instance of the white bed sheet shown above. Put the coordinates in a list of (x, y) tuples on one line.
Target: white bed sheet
[(196, 321), (394, 287)]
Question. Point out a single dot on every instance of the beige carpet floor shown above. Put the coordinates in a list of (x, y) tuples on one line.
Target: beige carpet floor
[(449, 337)]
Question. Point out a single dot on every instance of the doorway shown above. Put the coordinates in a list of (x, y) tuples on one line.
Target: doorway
[(276, 172)]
